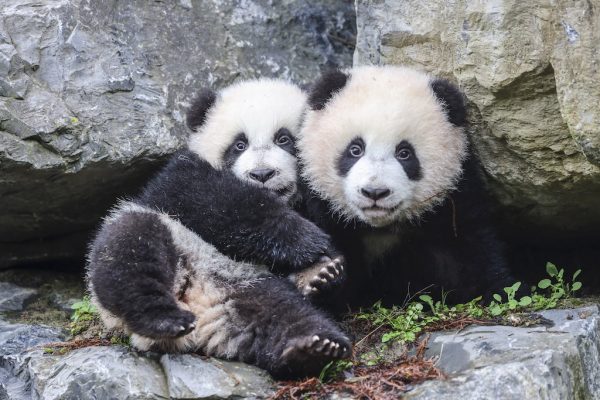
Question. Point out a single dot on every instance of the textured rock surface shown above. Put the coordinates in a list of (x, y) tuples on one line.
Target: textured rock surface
[(93, 93), (14, 297), (118, 373), (499, 362), (531, 72)]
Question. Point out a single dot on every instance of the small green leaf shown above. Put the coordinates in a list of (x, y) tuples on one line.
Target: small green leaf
[(576, 274), (77, 305), (389, 336), (426, 298), (325, 371), (576, 286), (551, 269), (544, 284), (496, 310), (516, 286), (497, 297), (525, 301)]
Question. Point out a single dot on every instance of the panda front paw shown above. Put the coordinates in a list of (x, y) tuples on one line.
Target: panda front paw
[(321, 279), (166, 325), (324, 277)]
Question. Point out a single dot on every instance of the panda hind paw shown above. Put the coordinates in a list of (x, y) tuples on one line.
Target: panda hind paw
[(308, 355), (169, 325)]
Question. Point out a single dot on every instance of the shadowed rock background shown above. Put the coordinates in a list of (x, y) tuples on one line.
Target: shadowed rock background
[(93, 94)]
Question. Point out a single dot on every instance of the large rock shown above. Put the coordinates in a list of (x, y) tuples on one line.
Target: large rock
[(118, 373), (93, 94), (500, 362), (531, 72)]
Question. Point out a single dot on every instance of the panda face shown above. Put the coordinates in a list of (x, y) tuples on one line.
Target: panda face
[(380, 146), (379, 178), (264, 160), (251, 128)]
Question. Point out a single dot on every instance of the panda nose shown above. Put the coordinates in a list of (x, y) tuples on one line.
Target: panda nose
[(261, 174), (375, 193)]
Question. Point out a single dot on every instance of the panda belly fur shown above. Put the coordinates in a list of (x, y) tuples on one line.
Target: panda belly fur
[(242, 311)]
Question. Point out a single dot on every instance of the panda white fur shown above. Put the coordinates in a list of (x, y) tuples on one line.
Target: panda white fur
[(163, 266), (390, 176)]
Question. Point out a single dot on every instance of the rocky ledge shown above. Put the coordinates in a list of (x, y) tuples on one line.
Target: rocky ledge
[(557, 360)]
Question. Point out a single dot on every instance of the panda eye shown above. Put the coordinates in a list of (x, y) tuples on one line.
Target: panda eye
[(356, 150), (283, 140), (240, 145), (403, 154)]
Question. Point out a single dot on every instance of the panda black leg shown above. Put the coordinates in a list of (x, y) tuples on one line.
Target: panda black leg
[(132, 271), (295, 339)]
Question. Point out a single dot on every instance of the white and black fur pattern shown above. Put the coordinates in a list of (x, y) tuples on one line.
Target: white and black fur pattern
[(242, 114), (188, 265), (389, 175)]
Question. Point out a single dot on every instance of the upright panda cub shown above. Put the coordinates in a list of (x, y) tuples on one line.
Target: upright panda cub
[(390, 176), (186, 266)]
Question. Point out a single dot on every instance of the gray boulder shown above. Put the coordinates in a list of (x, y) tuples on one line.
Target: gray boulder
[(118, 373), (14, 297), (93, 96), (529, 70), (501, 362)]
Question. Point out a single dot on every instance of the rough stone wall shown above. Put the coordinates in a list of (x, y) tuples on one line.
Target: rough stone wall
[(531, 72), (93, 94)]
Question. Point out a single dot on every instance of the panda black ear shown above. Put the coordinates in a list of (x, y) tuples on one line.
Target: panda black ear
[(196, 115), (452, 99), (323, 90)]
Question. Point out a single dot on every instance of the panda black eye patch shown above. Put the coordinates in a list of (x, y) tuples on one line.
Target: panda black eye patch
[(406, 156), (351, 154), (284, 139), (235, 149)]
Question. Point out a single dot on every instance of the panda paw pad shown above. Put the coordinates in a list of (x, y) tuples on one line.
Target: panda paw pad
[(329, 276), (319, 348)]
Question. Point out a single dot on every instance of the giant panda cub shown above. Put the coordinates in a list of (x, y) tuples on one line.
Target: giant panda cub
[(189, 264), (390, 176)]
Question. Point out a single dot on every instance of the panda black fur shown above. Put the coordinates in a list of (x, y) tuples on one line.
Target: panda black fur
[(186, 266), (388, 173)]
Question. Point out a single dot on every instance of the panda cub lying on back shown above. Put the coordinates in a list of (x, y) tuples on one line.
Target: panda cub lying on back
[(163, 266), (391, 178)]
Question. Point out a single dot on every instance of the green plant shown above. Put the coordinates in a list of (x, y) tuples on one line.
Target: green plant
[(333, 369), (405, 324), (83, 310), (498, 306), (554, 289), (84, 313)]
